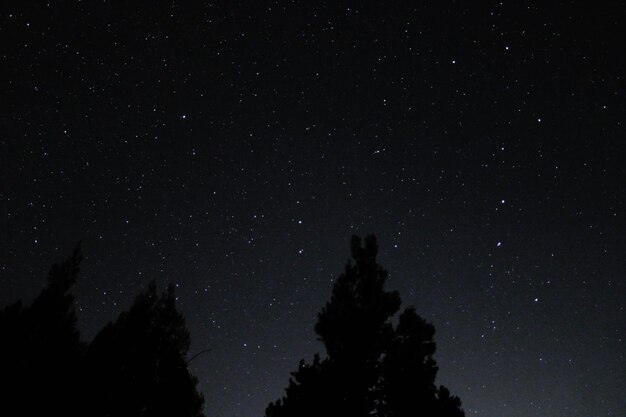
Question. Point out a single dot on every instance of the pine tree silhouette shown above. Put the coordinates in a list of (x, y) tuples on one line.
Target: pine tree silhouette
[(371, 367), (408, 372), (139, 362), (136, 366), (40, 349)]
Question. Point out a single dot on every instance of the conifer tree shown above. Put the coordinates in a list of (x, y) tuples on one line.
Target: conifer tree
[(371, 368), (140, 361), (136, 366), (408, 373), (40, 349)]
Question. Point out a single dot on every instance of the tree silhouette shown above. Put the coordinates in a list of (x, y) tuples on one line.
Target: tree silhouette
[(371, 367), (408, 373), (139, 361), (135, 366), (40, 349)]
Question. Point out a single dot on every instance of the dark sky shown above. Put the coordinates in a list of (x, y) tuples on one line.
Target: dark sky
[(234, 148)]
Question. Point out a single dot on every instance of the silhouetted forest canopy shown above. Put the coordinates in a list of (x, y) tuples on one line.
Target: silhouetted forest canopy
[(137, 364)]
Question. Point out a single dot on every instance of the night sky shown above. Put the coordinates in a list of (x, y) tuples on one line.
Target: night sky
[(234, 148)]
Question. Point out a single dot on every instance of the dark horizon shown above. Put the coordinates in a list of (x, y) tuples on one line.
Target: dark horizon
[(233, 150)]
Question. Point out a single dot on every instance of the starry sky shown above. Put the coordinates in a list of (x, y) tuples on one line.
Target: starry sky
[(232, 148)]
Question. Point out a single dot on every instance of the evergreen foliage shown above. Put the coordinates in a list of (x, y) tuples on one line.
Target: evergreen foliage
[(140, 361), (372, 368), (40, 353), (136, 366)]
